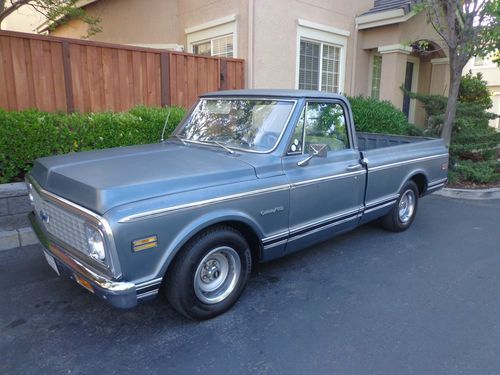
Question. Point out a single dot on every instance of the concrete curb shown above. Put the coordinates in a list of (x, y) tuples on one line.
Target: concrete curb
[(473, 194), (11, 239)]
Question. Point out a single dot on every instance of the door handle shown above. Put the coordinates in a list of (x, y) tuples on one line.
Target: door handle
[(353, 167)]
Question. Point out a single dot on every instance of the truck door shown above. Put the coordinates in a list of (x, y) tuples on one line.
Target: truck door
[(327, 191)]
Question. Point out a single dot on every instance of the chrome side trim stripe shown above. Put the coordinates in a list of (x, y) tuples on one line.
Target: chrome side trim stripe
[(148, 294), (328, 178), (438, 182), (435, 187), (274, 244), (310, 228), (326, 221), (386, 166), (382, 200), (275, 237), (379, 207), (166, 210), (148, 284), (319, 229)]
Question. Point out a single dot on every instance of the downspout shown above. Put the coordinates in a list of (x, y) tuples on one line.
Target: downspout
[(251, 9), (353, 65)]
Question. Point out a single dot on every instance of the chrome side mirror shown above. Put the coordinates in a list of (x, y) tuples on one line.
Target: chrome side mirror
[(315, 150)]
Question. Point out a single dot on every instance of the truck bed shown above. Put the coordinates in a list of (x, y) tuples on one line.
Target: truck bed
[(371, 141)]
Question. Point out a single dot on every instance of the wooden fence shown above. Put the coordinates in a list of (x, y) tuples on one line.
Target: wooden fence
[(51, 73)]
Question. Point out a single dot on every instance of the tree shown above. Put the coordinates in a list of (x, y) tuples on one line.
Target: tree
[(56, 12), (469, 28)]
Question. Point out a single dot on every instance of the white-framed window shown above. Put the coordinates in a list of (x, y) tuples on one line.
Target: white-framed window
[(216, 38), (480, 62), (219, 47), (376, 75), (320, 57)]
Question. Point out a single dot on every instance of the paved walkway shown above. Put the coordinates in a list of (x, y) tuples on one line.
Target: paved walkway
[(426, 301)]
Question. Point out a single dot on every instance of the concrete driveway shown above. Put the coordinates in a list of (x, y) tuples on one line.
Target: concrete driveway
[(420, 302)]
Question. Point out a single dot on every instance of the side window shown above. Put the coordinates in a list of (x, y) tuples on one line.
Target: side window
[(296, 147), (324, 124)]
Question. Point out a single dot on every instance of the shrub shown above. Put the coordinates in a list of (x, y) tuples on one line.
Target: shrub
[(30, 134), (375, 116), (474, 90), (484, 172)]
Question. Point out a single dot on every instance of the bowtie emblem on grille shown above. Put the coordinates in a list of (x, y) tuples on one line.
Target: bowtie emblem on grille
[(44, 216)]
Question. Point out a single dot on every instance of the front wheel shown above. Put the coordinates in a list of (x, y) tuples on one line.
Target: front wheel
[(209, 274), (403, 213)]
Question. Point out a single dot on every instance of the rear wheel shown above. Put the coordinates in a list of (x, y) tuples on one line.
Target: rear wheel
[(403, 213), (209, 274)]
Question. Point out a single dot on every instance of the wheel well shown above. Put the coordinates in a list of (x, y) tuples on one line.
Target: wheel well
[(250, 236), (247, 232), (421, 182)]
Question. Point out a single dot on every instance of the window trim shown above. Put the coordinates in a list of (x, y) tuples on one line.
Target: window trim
[(372, 61), (324, 35), (347, 118), (212, 30)]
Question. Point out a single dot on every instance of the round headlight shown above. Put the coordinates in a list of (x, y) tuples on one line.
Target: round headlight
[(95, 243)]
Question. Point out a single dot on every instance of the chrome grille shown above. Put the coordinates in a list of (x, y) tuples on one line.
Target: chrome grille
[(63, 225)]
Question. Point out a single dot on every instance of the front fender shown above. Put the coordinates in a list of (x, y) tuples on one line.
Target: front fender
[(199, 224)]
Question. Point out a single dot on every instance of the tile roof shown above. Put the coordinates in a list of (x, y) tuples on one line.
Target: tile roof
[(386, 5)]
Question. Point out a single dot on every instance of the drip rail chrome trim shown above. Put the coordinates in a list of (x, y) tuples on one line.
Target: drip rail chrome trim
[(166, 210), (386, 166)]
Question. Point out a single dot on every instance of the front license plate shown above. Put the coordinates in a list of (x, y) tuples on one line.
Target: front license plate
[(51, 261)]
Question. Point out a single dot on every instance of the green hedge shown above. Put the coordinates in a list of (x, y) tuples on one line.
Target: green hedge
[(376, 116), (30, 134)]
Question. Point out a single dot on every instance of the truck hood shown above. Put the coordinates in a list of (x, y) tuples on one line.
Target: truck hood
[(101, 180)]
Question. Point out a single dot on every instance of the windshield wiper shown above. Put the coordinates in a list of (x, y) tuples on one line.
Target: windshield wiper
[(223, 146)]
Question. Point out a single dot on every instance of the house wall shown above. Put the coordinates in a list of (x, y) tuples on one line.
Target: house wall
[(491, 74), (278, 53), (129, 22), (267, 34)]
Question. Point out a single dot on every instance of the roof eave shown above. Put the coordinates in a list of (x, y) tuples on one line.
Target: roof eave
[(378, 19)]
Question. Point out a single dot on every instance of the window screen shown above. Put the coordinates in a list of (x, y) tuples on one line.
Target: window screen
[(319, 66)]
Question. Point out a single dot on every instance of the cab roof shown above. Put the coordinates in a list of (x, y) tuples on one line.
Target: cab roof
[(274, 93)]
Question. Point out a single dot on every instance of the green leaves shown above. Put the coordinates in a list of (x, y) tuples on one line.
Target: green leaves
[(375, 116), (31, 134)]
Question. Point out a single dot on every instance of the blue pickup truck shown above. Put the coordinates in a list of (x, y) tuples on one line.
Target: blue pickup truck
[(248, 176)]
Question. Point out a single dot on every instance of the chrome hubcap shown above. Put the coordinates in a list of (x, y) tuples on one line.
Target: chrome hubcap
[(406, 206), (217, 275)]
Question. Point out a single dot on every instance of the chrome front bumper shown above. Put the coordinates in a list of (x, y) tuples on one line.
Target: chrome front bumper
[(121, 294)]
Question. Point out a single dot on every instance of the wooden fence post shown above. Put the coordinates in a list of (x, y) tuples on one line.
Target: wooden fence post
[(223, 74), (165, 78), (68, 79)]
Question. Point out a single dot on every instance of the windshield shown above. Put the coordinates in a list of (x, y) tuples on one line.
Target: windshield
[(246, 124)]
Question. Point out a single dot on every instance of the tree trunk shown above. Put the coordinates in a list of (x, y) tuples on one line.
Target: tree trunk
[(451, 107)]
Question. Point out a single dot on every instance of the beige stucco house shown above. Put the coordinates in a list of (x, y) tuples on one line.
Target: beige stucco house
[(491, 74), (357, 47)]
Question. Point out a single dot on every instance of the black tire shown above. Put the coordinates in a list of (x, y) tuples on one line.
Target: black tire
[(399, 221), (201, 265)]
